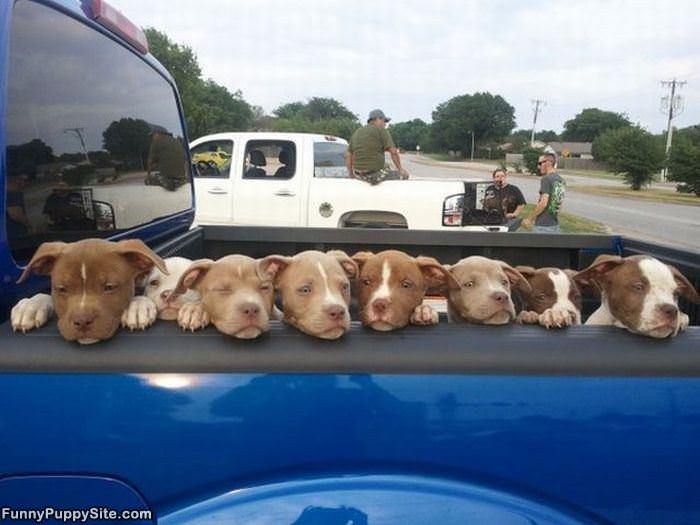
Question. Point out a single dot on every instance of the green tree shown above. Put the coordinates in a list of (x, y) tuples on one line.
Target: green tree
[(338, 127), (490, 117), (684, 163), (318, 115), (208, 106), (289, 110), (408, 135), (128, 140), (590, 123), (632, 152), (530, 158), (547, 135)]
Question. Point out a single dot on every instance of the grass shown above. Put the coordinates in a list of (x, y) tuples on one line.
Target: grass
[(655, 195), (570, 223), (444, 157), (593, 174)]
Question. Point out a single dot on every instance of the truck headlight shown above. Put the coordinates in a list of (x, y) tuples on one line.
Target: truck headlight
[(452, 209)]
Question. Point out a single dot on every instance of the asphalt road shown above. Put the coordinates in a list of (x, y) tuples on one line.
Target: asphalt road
[(674, 225)]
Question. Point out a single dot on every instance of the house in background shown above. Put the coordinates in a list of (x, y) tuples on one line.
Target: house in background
[(580, 150)]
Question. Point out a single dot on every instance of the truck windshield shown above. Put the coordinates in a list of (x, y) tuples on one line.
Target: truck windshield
[(94, 138)]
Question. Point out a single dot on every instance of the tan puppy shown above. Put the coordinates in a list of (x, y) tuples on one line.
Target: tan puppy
[(479, 291), (315, 290), (554, 300), (233, 297), (392, 286), (92, 284), (640, 294)]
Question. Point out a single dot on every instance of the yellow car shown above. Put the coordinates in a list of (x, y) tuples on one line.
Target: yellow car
[(216, 158)]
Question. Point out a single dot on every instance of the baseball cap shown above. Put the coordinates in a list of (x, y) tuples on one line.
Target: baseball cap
[(377, 113)]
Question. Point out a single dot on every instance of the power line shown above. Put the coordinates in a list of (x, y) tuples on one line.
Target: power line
[(537, 103), (673, 104)]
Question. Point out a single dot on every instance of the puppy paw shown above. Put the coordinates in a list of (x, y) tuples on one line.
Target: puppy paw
[(683, 322), (32, 312), (140, 314), (528, 317), (192, 316), (556, 318), (424, 315)]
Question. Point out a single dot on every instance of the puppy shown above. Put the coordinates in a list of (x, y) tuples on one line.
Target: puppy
[(392, 286), (315, 290), (234, 298), (160, 287), (479, 291), (554, 299), (92, 285), (640, 294)]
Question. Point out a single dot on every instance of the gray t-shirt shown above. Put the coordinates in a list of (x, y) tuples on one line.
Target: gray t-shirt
[(554, 186)]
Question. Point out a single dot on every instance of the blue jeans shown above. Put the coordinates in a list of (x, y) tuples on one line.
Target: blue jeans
[(546, 229)]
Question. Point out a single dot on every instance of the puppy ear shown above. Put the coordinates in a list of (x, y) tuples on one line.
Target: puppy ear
[(516, 278), (272, 267), (434, 273), (526, 271), (140, 256), (601, 265), (685, 288), (191, 277), (349, 266), (451, 282), (361, 258), (43, 260)]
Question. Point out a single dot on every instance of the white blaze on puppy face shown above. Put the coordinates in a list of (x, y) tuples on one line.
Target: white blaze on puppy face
[(83, 274), (562, 289), (383, 291), (661, 291), (330, 297)]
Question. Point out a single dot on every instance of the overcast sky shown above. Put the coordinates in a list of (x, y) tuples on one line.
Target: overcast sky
[(407, 57)]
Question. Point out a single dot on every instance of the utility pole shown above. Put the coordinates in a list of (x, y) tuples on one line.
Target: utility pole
[(674, 105), (537, 102), (472, 132)]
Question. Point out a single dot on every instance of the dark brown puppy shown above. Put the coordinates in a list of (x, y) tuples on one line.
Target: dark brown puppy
[(92, 284), (554, 299)]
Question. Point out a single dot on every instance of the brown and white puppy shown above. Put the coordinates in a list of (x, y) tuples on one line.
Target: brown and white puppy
[(554, 299), (315, 290), (234, 298), (92, 285), (159, 288), (639, 293), (479, 291), (392, 286)]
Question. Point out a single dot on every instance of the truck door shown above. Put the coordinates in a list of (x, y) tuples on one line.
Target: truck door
[(269, 192), (212, 168)]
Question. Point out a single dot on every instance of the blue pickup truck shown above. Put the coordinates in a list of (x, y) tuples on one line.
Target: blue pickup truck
[(447, 424)]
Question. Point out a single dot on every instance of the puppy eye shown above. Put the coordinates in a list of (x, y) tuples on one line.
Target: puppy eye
[(59, 288), (407, 284), (346, 287), (305, 290), (265, 287), (366, 282), (109, 287), (541, 297), (468, 284), (223, 290), (154, 282), (638, 287), (505, 282)]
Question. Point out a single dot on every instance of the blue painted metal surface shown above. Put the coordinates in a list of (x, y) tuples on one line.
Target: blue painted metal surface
[(623, 450), (152, 233)]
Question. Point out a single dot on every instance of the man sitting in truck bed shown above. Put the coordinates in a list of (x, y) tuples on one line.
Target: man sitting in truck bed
[(365, 156)]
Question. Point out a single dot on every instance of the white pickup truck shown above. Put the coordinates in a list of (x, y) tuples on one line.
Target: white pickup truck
[(300, 179)]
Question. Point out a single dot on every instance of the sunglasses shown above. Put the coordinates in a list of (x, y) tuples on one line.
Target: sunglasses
[(542, 162)]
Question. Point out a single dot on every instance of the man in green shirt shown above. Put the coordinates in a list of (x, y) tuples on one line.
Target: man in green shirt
[(365, 155)]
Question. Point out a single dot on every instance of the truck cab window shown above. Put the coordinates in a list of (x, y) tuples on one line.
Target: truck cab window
[(329, 160), (269, 159), (212, 159), (94, 138)]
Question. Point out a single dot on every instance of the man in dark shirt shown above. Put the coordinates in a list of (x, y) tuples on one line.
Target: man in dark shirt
[(506, 198), (552, 190)]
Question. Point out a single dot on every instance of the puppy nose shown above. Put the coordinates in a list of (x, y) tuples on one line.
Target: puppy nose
[(83, 321), (669, 310), (380, 305), (250, 309), (165, 295), (499, 297), (335, 312)]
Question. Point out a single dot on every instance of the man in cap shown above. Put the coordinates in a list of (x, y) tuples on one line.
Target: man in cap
[(365, 155)]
